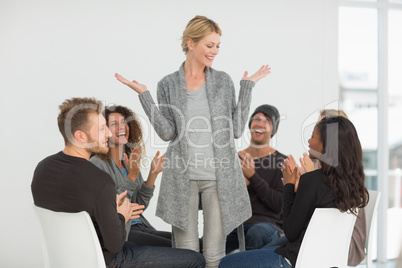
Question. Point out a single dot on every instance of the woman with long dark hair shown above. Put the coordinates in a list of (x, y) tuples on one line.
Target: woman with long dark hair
[(337, 183)]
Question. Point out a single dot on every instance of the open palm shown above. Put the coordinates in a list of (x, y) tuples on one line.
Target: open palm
[(261, 73)]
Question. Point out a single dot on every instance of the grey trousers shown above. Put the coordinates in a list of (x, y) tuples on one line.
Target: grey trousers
[(214, 239)]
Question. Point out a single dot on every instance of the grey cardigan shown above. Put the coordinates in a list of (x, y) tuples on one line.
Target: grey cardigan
[(228, 120), (137, 192)]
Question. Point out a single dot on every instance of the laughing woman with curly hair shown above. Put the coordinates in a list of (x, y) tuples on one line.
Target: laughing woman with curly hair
[(122, 163)]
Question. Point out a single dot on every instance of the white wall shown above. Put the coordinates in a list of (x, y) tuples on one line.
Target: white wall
[(52, 50)]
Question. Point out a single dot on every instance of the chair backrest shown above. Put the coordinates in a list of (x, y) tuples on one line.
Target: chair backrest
[(327, 239), (371, 212), (69, 240)]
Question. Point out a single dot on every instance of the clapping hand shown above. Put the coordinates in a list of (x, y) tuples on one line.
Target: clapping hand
[(157, 163), (307, 165), (133, 163), (123, 205), (156, 168), (247, 164), (136, 210), (291, 172)]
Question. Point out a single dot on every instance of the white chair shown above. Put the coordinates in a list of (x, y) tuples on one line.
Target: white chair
[(327, 239), (69, 240), (371, 212), (399, 260)]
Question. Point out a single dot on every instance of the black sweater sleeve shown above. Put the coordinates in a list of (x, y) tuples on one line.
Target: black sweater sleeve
[(111, 224)]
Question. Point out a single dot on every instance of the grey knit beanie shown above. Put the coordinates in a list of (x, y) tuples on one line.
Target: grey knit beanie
[(269, 111)]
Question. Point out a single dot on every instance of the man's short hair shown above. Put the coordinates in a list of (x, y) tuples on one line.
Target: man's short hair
[(73, 116)]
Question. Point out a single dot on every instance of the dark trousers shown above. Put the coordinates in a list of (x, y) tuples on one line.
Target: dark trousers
[(133, 256), (257, 236), (144, 236)]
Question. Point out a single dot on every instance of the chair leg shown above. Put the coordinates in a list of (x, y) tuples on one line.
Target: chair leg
[(369, 260)]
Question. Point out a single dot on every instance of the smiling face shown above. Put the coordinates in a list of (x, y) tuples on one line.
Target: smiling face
[(315, 144), (97, 134), (205, 50), (261, 129), (119, 128)]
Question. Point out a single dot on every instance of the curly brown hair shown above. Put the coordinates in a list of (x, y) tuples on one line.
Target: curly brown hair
[(342, 162), (135, 139)]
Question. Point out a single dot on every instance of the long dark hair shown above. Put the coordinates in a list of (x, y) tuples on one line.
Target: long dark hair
[(135, 138), (342, 162)]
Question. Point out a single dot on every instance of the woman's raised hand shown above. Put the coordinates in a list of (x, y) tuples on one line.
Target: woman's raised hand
[(156, 168), (137, 87), (157, 163), (133, 163), (261, 73)]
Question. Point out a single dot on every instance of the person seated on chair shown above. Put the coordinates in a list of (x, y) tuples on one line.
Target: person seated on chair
[(357, 243), (261, 165), (337, 183), (68, 182), (122, 163)]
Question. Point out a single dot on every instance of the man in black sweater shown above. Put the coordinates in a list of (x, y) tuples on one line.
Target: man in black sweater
[(261, 165), (68, 182)]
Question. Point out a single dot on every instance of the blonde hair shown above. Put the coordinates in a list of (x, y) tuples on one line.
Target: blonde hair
[(196, 29), (333, 112)]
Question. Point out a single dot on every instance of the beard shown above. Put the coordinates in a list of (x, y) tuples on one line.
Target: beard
[(95, 148), (260, 143)]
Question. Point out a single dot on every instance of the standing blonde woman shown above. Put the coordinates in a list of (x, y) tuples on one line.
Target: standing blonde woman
[(199, 116)]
